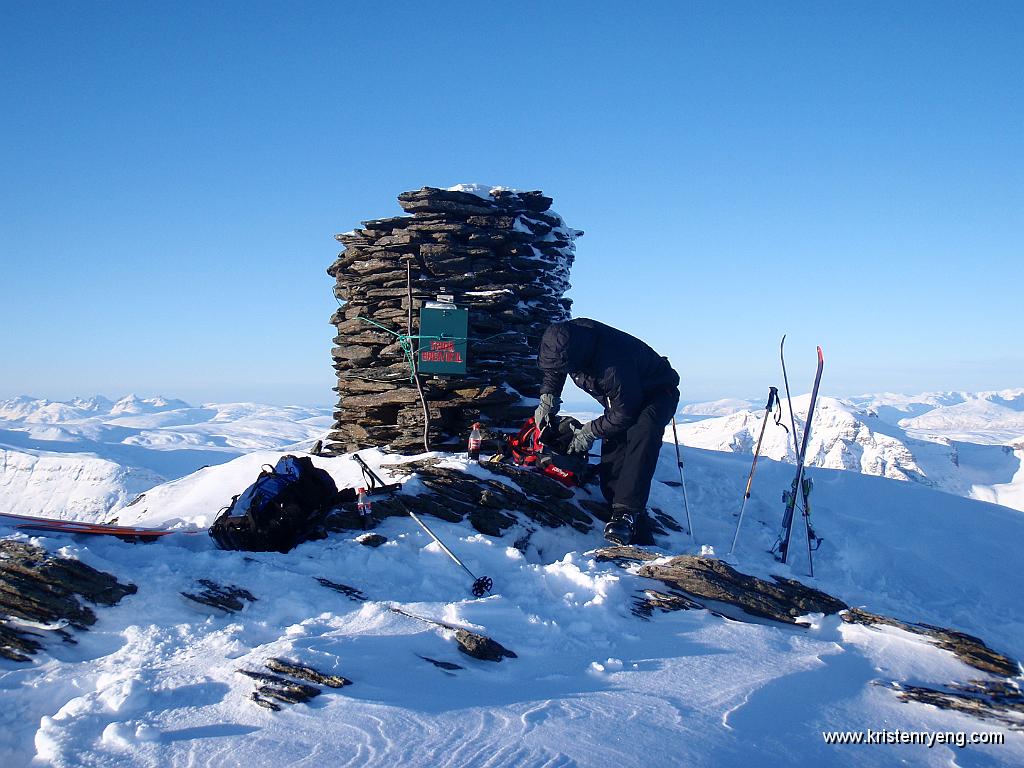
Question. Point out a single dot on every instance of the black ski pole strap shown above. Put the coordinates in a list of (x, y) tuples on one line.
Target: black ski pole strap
[(778, 412), (373, 481), (775, 404), (368, 474)]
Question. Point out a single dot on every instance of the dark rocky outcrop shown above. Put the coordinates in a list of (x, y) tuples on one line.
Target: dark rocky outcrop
[(481, 647), (709, 579), (705, 583), (280, 688), (225, 597), (470, 643), (302, 672), (623, 555), (490, 504), (38, 587), (969, 649), (274, 687), (356, 595), (504, 256), (1000, 701)]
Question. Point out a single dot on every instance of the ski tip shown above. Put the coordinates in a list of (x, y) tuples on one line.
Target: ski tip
[(820, 358)]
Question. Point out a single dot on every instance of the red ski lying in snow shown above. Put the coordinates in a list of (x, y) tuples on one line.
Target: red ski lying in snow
[(52, 525)]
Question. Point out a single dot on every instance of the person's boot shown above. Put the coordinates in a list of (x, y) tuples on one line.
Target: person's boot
[(621, 528)]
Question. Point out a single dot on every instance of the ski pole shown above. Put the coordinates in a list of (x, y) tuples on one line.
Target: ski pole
[(682, 481), (773, 399), (481, 585)]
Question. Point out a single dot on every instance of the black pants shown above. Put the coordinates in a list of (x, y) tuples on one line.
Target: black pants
[(629, 459)]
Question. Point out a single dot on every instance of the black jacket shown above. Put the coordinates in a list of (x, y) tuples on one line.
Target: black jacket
[(618, 370)]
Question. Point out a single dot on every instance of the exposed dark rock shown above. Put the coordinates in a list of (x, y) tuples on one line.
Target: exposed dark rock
[(18, 644), (695, 580), (454, 495), (45, 589), (372, 540), (446, 509), (302, 672), (1000, 700), (350, 592), (481, 647), (470, 643), (531, 482), (969, 649), (709, 579), (599, 509), (489, 521), (624, 554), (650, 600), (280, 688), (273, 688), (261, 701), (226, 597)]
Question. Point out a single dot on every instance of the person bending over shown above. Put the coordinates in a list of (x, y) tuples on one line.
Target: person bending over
[(639, 391)]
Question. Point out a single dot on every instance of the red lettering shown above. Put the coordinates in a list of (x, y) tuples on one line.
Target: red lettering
[(443, 354)]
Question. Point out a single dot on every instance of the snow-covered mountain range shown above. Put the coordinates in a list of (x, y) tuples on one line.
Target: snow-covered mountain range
[(968, 444), (82, 458), (88, 457)]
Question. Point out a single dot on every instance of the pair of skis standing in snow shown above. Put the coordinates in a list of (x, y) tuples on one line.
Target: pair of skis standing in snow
[(801, 487)]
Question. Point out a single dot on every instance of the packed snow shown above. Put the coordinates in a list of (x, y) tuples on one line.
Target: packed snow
[(154, 683)]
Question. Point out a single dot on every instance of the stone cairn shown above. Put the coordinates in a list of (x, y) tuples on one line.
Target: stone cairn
[(504, 256)]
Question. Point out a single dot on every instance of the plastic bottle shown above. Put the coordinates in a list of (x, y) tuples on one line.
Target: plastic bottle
[(475, 439), (365, 507)]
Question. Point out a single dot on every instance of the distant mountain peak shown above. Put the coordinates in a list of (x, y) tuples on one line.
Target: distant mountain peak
[(132, 404)]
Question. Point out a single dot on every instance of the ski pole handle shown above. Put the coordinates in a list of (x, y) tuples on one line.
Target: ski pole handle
[(773, 398)]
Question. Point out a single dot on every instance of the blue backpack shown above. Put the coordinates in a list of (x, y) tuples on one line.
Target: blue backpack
[(284, 507)]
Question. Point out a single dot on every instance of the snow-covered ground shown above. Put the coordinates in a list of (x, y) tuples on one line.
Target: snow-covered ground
[(154, 682), (968, 444), (85, 458)]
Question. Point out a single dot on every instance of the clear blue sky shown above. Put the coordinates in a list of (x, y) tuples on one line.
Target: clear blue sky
[(172, 175)]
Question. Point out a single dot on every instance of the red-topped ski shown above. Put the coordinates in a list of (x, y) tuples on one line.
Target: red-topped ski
[(47, 525)]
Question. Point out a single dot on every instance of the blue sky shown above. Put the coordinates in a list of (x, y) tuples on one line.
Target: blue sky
[(852, 174)]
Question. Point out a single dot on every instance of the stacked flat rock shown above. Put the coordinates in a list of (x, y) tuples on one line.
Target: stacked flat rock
[(504, 256)]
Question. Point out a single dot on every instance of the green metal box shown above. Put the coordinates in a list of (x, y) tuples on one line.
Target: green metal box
[(443, 339)]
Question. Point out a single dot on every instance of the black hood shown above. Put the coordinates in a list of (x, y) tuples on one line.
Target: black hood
[(567, 347)]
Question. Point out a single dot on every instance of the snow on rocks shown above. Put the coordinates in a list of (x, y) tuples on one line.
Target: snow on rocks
[(40, 596)]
